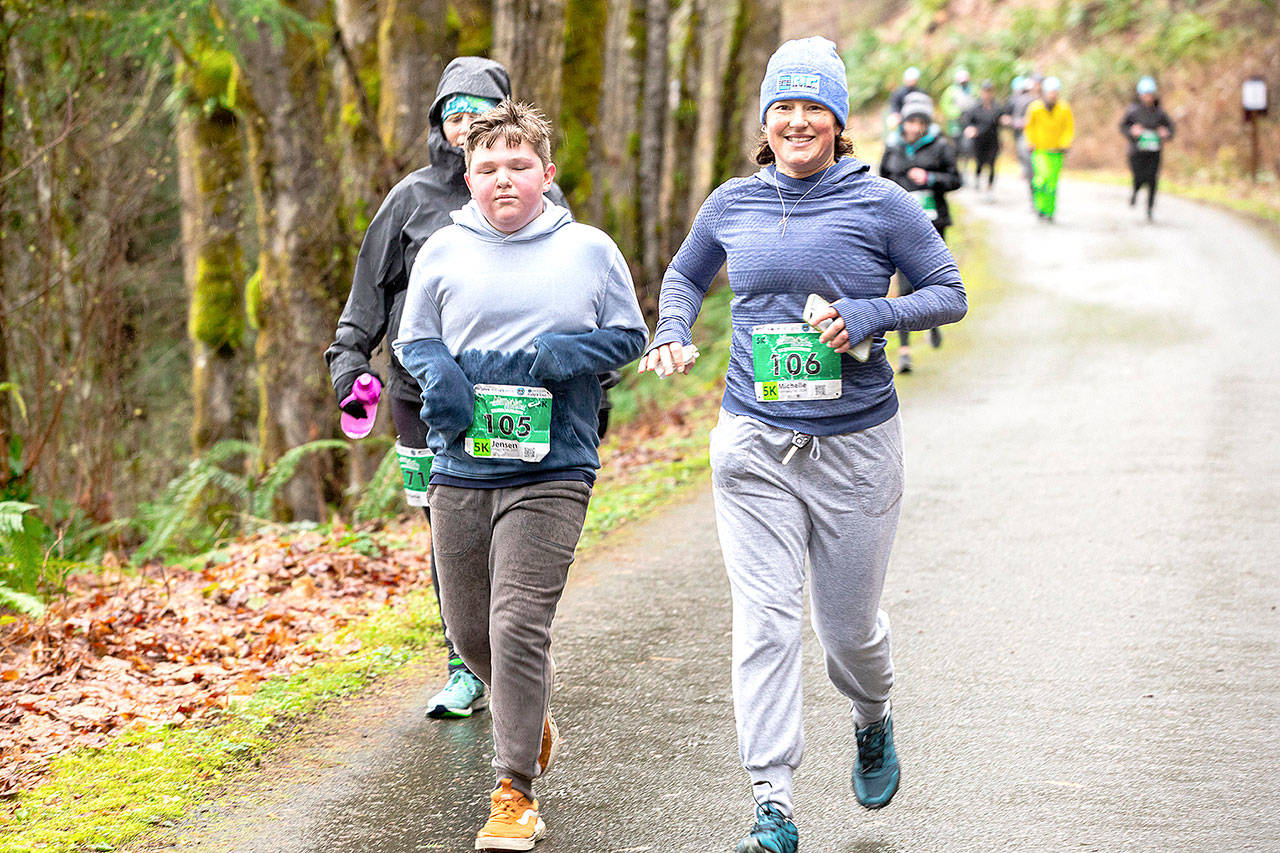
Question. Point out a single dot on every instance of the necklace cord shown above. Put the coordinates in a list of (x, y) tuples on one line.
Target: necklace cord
[(785, 215)]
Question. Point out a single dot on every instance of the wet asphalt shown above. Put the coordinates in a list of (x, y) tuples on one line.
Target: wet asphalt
[(1084, 598)]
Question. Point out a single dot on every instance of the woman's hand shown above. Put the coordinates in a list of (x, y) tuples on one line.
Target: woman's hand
[(918, 176), (835, 335), (668, 359)]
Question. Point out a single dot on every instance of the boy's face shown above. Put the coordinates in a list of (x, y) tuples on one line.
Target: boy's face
[(507, 183)]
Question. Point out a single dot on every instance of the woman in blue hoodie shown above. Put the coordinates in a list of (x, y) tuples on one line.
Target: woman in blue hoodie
[(807, 456)]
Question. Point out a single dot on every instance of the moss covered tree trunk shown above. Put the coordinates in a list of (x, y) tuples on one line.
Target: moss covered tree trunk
[(653, 121), (616, 143), (413, 48), (368, 169), (715, 40), (528, 38), (582, 77), (302, 275), (211, 160), (756, 33)]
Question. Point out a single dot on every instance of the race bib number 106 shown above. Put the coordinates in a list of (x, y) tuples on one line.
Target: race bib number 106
[(790, 363)]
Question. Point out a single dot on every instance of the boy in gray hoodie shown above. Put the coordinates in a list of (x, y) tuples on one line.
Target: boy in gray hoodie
[(511, 313)]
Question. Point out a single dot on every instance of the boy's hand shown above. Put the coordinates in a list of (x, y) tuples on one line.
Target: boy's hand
[(668, 359)]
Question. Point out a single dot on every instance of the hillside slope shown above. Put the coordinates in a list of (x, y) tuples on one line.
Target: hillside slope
[(1199, 51)]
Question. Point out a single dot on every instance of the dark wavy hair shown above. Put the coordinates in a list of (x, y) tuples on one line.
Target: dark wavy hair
[(765, 157)]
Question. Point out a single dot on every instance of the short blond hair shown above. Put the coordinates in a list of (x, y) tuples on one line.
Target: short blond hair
[(514, 123)]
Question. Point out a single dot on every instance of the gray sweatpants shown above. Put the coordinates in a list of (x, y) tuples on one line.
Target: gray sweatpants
[(836, 501), (503, 556)]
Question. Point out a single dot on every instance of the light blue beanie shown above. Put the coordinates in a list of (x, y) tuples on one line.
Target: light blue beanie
[(1147, 85), (810, 69)]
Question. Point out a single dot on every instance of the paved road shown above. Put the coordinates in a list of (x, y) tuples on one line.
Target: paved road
[(1083, 594)]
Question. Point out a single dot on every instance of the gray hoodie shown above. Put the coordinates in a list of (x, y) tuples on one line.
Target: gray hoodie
[(415, 208), (549, 306)]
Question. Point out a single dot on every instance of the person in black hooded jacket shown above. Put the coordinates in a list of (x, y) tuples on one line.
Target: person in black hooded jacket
[(918, 158), (417, 206), (1147, 127)]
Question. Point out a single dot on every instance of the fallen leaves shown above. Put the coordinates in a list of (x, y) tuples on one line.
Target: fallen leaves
[(171, 646)]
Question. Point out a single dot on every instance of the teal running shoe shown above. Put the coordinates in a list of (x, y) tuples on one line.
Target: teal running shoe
[(773, 833), (462, 694), (875, 773)]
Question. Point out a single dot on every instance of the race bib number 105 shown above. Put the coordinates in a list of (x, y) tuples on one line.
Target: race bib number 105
[(510, 422)]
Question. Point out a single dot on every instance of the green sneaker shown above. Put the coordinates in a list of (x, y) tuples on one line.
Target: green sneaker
[(773, 833), (875, 772), (463, 693)]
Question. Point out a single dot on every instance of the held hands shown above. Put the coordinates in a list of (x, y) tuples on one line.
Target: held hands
[(668, 359)]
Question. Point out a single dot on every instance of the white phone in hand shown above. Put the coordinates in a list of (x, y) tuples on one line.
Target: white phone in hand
[(814, 307)]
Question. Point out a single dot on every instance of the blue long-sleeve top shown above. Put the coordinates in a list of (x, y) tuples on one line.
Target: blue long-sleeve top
[(550, 306), (846, 231)]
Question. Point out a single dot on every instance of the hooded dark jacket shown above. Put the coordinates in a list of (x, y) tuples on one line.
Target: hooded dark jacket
[(1152, 118), (986, 120), (931, 152), (415, 209)]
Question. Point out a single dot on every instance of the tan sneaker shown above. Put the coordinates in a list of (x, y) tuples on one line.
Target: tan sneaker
[(513, 824), (550, 746)]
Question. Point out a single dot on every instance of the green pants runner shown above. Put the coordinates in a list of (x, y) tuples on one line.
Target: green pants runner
[(1046, 166)]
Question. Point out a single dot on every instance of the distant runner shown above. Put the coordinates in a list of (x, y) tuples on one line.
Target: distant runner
[(910, 83), (921, 161), (956, 100), (1050, 131), (1025, 92), (982, 125), (1147, 127)]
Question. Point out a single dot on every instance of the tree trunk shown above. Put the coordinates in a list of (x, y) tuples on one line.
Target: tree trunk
[(756, 33), (302, 278), (6, 427), (413, 49), (528, 38), (715, 37), (583, 76), (653, 119), (369, 169), (617, 135), (211, 159)]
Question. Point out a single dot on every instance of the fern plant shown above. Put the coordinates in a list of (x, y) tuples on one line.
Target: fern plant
[(381, 497), (205, 476), (22, 561)]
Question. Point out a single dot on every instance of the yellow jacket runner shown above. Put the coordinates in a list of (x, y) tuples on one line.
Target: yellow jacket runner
[(1050, 129)]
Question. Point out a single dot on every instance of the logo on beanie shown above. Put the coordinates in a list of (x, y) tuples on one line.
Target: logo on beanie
[(807, 83)]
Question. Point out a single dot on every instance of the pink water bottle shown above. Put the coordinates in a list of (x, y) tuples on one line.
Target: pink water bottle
[(367, 390)]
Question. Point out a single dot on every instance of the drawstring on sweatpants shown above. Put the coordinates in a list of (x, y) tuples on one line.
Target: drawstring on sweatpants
[(799, 440)]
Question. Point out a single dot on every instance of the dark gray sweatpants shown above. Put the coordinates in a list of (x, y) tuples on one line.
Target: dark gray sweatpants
[(503, 557), (837, 502)]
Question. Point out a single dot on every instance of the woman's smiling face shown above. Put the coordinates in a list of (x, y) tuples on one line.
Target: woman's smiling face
[(802, 135)]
